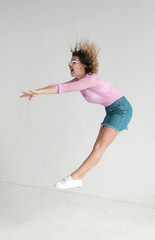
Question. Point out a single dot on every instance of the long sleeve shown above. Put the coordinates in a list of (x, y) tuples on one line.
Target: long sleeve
[(76, 85), (52, 85), (73, 80)]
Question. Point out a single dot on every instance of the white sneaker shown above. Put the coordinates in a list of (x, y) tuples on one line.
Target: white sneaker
[(68, 182)]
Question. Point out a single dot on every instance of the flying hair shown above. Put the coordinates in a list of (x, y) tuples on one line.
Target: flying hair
[(87, 53)]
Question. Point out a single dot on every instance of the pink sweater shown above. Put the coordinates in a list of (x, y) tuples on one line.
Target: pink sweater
[(93, 88)]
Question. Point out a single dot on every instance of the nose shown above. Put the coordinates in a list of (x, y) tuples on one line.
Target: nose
[(69, 65)]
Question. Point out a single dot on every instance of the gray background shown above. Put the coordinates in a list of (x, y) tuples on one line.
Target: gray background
[(48, 138)]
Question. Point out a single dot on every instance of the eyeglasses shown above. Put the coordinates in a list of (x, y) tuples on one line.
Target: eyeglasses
[(73, 61)]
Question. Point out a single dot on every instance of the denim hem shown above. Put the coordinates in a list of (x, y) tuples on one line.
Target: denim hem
[(106, 124)]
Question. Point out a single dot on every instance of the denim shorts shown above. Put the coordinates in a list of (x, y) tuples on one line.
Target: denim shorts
[(118, 114)]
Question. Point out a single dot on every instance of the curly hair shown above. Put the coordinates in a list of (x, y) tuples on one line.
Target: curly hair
[(87, 53)]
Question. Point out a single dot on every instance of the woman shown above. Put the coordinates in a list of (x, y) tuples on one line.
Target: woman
[(84, 67)]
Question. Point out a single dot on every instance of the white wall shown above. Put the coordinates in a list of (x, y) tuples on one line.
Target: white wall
[(48, 138)]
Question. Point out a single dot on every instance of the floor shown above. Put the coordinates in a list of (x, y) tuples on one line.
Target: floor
[(28, 213)]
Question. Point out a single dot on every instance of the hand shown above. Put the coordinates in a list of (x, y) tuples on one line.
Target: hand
[(31, 94)]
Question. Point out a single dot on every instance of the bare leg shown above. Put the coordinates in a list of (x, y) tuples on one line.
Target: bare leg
[(105, 137)]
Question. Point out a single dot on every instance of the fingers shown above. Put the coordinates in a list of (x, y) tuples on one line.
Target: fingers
[(30, 98), (26, 94), (31, 94)]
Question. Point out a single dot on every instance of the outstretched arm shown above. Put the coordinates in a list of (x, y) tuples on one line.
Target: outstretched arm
[(48, 90), (70, 86)]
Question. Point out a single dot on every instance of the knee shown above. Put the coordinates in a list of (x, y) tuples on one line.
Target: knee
[(99, 147)]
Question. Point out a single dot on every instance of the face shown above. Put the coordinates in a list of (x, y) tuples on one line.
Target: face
[(77, 69)]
